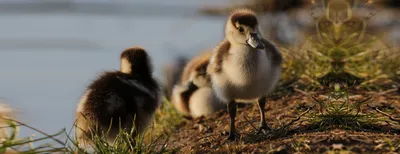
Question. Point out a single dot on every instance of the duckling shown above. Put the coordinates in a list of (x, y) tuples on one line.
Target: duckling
[(244, 66), (125, 99), (194, 96), (172, 73)]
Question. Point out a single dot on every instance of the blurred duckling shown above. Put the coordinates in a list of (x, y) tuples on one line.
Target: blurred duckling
[(6, 118), (193, 96), (244, 66), (125, 99), (172, 74), (6, 113)]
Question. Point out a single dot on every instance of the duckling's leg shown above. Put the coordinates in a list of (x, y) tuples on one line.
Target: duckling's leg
[(233, 135), (261, 107)]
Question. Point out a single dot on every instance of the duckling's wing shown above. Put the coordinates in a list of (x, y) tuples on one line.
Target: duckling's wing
[(137, 85), (114, 103), (219, 53), (272, 50), (196, 64)]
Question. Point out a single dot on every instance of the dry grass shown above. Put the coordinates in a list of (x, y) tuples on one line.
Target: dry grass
[(317, 121)]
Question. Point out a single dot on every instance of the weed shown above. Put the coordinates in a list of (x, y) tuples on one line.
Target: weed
[(10, 143), (153, 140)]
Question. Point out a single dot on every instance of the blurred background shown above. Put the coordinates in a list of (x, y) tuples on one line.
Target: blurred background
[(51, 50)]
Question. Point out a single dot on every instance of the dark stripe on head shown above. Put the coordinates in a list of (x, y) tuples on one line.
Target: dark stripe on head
[(244, 18), (134, 52)]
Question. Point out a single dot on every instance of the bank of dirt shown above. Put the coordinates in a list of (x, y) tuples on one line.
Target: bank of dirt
[(208, 134)]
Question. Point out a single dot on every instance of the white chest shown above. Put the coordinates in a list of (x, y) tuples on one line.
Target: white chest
[(247, 74), (246, 67)]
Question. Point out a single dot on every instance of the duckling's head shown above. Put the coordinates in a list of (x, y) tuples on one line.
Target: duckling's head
[(242, 29), (135, 60), (200, 77)]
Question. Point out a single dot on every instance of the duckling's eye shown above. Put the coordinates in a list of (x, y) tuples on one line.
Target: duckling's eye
[(241, 29)]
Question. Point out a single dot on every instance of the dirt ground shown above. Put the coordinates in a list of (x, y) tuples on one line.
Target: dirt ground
[(208, 135)]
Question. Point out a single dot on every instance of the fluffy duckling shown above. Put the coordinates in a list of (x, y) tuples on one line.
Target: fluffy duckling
[(244, 66), (194, 96), (126, 98)]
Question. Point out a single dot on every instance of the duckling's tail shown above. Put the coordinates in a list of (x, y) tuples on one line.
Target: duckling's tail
[(172, 73)]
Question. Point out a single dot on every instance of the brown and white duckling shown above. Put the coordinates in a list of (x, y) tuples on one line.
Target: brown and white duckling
[(126, 98), (193, 96), (244, 66)]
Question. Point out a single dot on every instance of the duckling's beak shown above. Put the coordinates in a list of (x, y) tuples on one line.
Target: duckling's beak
[(254, 40)]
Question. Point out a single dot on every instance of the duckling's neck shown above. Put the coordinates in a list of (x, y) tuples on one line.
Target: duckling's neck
[(242, 48), (134, 70), (244, 55), (138, 74), (126, 66)]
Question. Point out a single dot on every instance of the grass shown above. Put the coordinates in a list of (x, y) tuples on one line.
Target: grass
[(10, 143), (166, 118), (154, 139), (123, 143), (334, 110), (317, 120), (339, 112)]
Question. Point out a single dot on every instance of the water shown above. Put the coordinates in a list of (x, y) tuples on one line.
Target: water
[(48, 59)]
